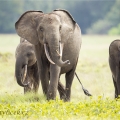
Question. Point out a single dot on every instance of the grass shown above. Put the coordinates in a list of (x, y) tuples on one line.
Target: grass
[(93, 70)]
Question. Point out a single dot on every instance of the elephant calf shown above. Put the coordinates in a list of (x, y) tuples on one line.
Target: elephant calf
[(114, 62), (26, 70)]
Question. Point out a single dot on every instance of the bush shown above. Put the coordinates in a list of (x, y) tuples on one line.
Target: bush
[(114, 30), (100, 27)]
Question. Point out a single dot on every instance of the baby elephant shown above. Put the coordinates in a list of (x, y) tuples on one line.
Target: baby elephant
[(26, 70), (114, 62)]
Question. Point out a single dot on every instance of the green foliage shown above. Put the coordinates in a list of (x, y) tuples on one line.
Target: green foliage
[(88, 14), (114, 14), (9, 12), (100, 27), (91, 109), (108, 23), (114, 30)]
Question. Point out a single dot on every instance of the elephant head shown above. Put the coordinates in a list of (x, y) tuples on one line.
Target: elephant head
[(48, 29), (25, 57)]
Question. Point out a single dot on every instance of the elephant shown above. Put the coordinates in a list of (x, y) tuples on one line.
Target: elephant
[(26, 69), (114, 63), (57, 41)]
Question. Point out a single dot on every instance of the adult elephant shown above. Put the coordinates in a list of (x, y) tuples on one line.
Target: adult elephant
[(26, 69), (114, 62), (57, 39)]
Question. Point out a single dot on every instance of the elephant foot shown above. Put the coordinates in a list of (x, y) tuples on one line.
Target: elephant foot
[(62, 97), (66, 99), (51, 96), (68, 94), (27, 90), (116, 96), (61, 90)]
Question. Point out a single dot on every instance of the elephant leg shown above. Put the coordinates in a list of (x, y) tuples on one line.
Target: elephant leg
[(36, 80), (28, 88), (69, 79), (115, 86), (35, 86), (117, 81), (54, 77), (42, 67), (61, 90), (44, 77)]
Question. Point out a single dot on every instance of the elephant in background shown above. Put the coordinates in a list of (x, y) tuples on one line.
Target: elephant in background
[(114, 63), (26, 69), (57, 41)]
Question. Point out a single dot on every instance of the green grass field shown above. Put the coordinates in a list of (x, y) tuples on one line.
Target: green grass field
[(93, 70)]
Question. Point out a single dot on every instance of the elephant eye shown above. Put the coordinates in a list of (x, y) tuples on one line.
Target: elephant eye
[(41, 29), (29, 54)]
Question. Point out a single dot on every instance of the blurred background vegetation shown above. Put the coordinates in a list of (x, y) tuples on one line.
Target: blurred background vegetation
[(93, 16)]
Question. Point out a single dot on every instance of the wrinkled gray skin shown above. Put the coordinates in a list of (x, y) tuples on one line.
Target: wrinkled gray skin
[(114, 62), (57, 36), (25, 55)]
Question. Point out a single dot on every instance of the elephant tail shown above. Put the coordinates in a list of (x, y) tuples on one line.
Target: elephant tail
[(86, 92)]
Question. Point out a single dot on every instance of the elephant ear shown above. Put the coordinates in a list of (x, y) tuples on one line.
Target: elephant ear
[(26, 26), (66, 16), (68, 23)]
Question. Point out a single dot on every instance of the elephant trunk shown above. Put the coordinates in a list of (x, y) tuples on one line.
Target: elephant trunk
[(59, 62), (18, 73), (56, 53)]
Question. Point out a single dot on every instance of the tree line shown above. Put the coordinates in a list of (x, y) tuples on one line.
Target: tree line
[(93, 16)]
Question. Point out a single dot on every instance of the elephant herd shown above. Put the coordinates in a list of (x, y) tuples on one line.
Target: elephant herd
[(49, 46)]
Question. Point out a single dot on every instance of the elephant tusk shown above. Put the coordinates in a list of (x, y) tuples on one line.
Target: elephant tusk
[(47, 54), (25, 72)]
